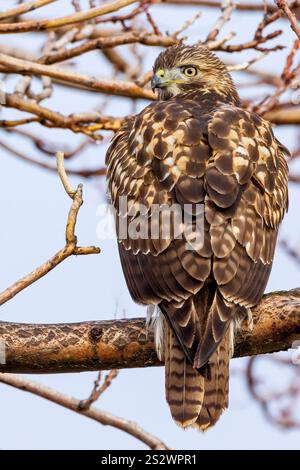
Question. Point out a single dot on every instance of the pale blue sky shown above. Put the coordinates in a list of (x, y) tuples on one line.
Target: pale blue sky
[(33, 215)]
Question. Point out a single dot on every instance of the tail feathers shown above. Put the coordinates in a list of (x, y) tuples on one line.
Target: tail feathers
[(219, 319), (196, 400), (184, 384), (216, 386)]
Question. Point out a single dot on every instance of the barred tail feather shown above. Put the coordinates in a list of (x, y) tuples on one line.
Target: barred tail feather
[(218, 323), (184, 384), (196, 400), (216, 386)]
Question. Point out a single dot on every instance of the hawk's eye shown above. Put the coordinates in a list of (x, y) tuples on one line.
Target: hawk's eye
[(189, 71)]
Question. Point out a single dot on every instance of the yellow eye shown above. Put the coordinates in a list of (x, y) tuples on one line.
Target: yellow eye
[(189, 71), (160, 73)]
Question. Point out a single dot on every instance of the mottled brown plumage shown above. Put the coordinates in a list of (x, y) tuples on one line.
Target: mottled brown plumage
[(196, 145)]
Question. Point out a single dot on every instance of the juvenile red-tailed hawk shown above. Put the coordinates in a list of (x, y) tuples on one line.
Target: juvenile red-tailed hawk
[(196, 146)]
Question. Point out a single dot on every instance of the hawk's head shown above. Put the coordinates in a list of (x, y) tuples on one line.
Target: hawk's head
[(182, 68)]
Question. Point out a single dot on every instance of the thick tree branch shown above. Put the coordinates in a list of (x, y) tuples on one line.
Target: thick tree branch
[(123, 343)]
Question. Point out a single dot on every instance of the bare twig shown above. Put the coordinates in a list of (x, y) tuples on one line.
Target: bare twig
[(278, 406), (69, 249), (187, 24), (105, 43), (105, 86), (282, 4), (78, 17), (102, 417), (24, 8), (98, 389), (63, 175), (86, 123), (227, 8), (247, 64), (49, 148), (286, 81), (285, 245), (85, 173), (242, 6)]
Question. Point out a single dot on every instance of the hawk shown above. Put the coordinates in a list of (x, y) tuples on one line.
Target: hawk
[(196, 147)]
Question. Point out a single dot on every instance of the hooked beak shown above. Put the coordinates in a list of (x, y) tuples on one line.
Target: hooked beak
[(158, 82), (165, 78)]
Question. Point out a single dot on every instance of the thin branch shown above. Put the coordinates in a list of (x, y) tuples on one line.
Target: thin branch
[(10, 124), (282, 4), (102, 417), (119, 63), (129, 89), (187, 24), (286, 81), (76, 5), (47, 147), (83, 172), (255, 43), (41, 25), (24, 8), (69, 249), (279, 406), (98, 389), (86, 123), (63, 176), (261, 75), (245, 65), (248, 7), (227, 8), (104, 43), (144, 79), (292, 252)]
